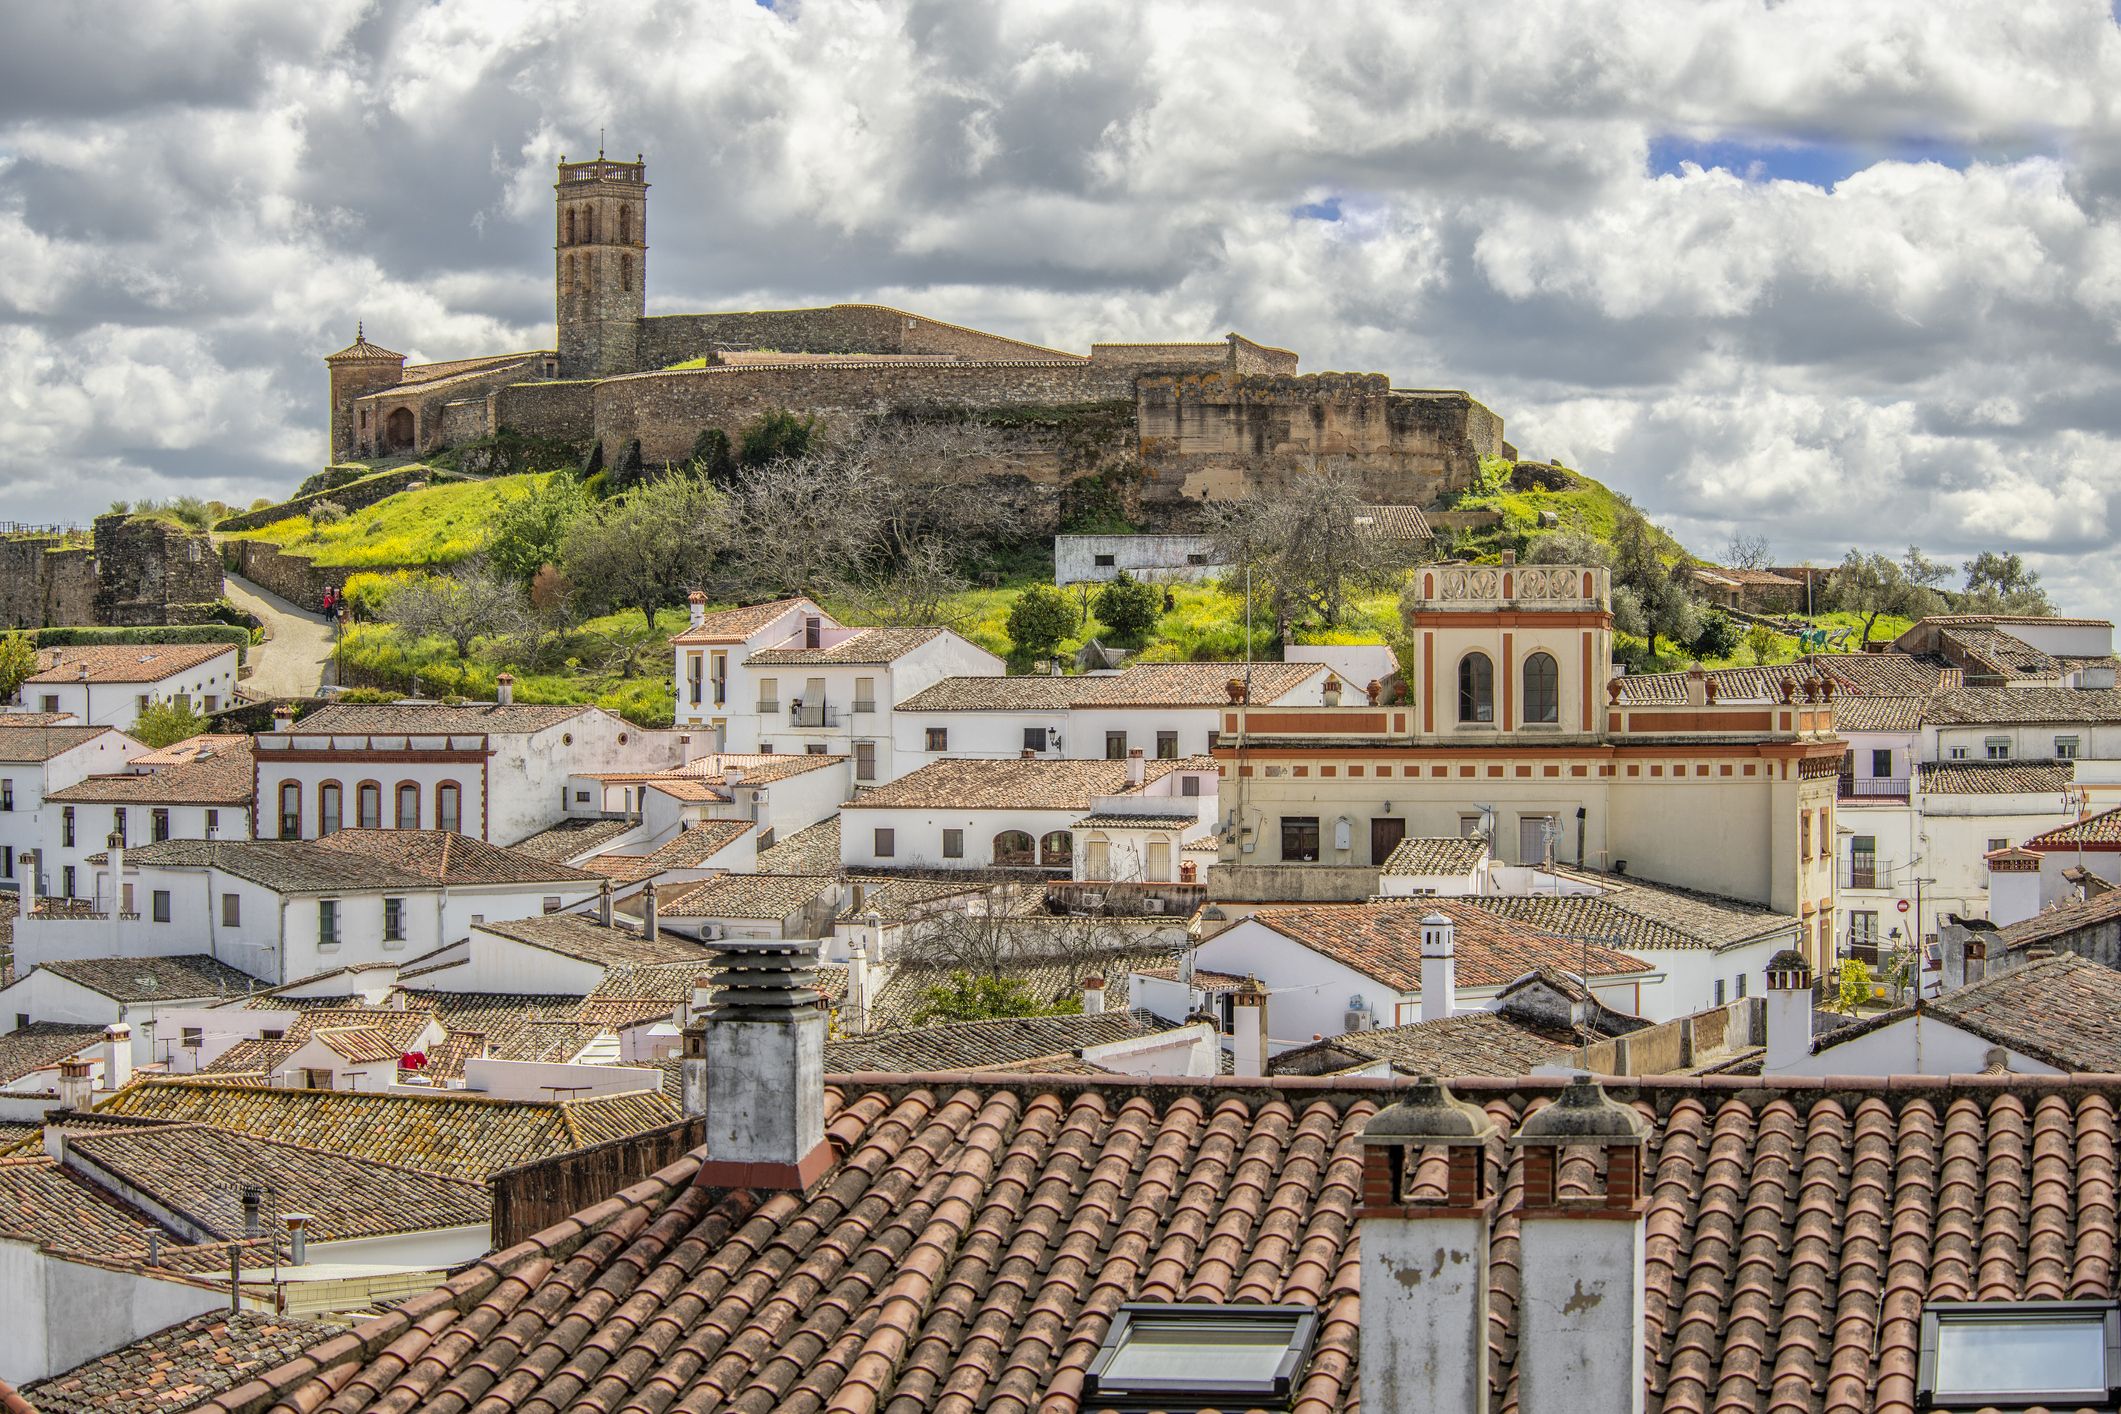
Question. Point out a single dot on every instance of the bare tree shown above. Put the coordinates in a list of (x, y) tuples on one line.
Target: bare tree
[(474, 602), (1311, 547), (649, 547), (1746, 552)]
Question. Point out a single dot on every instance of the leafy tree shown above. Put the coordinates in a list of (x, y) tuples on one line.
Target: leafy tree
[(1855, 984), (1129, 607), (2001, 584), (714, 456), (1760, 642), (1309, 547), (166, 723), (776, 436), (1746, 552), (648, 548), (1038, 621), (1874, 585), (965, 997), (1718, 637), (1667, 607), (529, 529), (461, 607), (1568, 547), (18, 663)]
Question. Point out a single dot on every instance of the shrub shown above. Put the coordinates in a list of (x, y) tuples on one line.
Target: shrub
[(1855, 983), (1038, 621), (326, 513), (1760, 642), (1129, 607), (776, 436), (1718, 637), (167, 723), (235, 635), (965, 997), (18, 661)]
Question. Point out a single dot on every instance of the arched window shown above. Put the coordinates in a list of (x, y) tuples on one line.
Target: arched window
[(330, 808), (1476, 688), (1057, 850), (368, 806), (290, 810), (408, 805), (625, 225), (1014, 849), (449, 807), (626, 272), (1542, 689), (569, 238), (589, 224)]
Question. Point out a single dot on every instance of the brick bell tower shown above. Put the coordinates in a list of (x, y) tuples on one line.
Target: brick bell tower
[(600, 264)]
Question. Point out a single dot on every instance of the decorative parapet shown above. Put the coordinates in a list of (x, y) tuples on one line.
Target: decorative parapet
[(1449, 588)]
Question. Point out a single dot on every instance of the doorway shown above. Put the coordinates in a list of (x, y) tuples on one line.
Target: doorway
[(1386, 831)]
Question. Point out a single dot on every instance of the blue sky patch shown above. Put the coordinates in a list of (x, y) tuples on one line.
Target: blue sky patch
[(1819, 164), (1327, 210)]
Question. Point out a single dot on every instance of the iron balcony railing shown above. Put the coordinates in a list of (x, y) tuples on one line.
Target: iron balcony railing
[(813, 714), (1873, 788)]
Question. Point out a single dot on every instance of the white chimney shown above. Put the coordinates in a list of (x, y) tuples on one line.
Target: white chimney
[(1581, 1288), (732, 776), (117, 1056), (1789, 1012), (504, 688), (30, 861), (763, 1049), (1248, 1030), (1137, 768), (283, 718), (696, 607), (1424, 1273), (860, 976), (1093, 995), (115, 844), (1439, 967)]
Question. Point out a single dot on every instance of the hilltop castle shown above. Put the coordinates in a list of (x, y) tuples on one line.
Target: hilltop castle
[(1205, 420)]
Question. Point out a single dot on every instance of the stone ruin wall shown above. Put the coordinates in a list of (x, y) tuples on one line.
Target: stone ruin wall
[(841, 328), (136, 573), (45, 581)]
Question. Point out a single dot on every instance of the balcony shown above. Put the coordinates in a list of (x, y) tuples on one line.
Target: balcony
[(1878, 790), (813, 714), (1861, 872)]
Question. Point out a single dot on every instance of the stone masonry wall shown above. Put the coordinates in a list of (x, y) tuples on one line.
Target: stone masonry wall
[(840, 328), (292, 577), (43, 581), (464, 420), (562, 411), (149, 571)]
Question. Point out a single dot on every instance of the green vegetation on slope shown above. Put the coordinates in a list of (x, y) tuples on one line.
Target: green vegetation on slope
[(436, 525)]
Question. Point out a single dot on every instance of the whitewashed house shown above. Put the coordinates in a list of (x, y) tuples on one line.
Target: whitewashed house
[(1023, 814), (111, 684), (36, 758), (199, 789), (139, 992), (787, 677), (780, 794), (281, 910), (498, 771)]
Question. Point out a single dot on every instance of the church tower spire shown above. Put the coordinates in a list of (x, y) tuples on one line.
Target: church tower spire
[(600, 269)]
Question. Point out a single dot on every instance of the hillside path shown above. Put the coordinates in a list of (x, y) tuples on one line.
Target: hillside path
[(295, 660)]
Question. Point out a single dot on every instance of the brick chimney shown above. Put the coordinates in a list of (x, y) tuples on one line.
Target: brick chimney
[(1248, 1029), (696, 607), (504, 688), (1789, 1012), (1439, 967), (117, 1055), (1581, 1256), (763, 1047), (1424, 1230)]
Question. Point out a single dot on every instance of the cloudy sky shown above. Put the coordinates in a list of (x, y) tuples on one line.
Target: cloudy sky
[(1828, 272)]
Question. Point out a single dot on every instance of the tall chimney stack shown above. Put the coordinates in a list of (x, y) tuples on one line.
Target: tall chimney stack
[(1439, 967), (504, 689), (1248, 1029), (76, 1085), (253, 1210), (1425, 1253), (696, 607), (692, 1053), (1137, 767), (764, 1052), (651, 923), (1789, 1012), (1093, 995), (117, 1056), (283, 718)]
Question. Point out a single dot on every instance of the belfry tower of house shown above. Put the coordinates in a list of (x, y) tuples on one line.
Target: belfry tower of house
[(600, 264)]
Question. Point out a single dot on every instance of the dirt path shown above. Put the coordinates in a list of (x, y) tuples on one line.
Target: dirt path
[(294, 661)]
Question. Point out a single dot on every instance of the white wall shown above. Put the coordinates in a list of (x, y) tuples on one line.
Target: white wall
[(537, 1080), (209, 685), (1155, 558), (1918, 1044), (918, 842), (1194, 1050), (61, 1313), (1359, 664), (31, 820)]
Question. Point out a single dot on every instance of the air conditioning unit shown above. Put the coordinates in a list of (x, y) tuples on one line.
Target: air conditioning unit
[(711, 933), (1093, 900), (1357, 1016)]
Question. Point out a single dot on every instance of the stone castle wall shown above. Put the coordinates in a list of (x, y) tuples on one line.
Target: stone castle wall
[(563, 411), (45, 581), (136, 573), (841, 328)]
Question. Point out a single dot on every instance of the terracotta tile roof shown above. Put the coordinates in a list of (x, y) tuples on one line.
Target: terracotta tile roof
[(220, 778), (1646, 915), (690, 848), (2061, 920), (2063, 1011), (1998, 777), (814, 849), (191, 749), (2001, 653), (122, 662), (571, 839), (464, 1136), (1382, 940), (734, 625), (12, 718), (198, 1172), (1435, 854), (361, 859), (869, 645), (1394, 523), (42, 1203), (43, 1043), (2103, 828), (361, 351), (1140, 685), (26, 746), (690, 789), (1474, 1043), (1982, 706), (175, 1368), (769, 896), (1881, 713), (983, 1045), (1762, 579), (392, 718), (1886, 674), (148, 979), (361, 1045), (1042, 784), (447, 858), (897, 900), (2029, 620), (579, 936), (516, 1026)]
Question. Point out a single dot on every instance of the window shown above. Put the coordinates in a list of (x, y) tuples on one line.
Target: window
[(1996, 842), (1034, 738), (2016, 1353), (50, 702), (953, 844), (158, 825), (194, 1036), (1476, 688), (1997, 748), (1167, 746), (213, 823), (393, 920), (1189, 784), (7, 794), (1105, 562), (408, 806), (327, 923), (66, 875), (1014, 849), (769, 694), (1741, 986), (551, 903), (1191, 1354), (815, 748), (1115, 746), (290, 810), (271, 1033), (1542, 690), (765, 748), (886, 843), (1196, 557), (1719, 992), (865, 694), (1863, 927), (2065, 748), (160, 903), (117, 825), (865, 760), (1299, 838), (1956, 753), (368, 805), (66, 827), (330, 805), (1057, 850), (938, 738), (449, 807), (1804, 834), (231, 910), (1882, 763)]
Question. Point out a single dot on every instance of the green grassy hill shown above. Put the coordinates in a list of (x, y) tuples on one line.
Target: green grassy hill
[(437, 525)]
